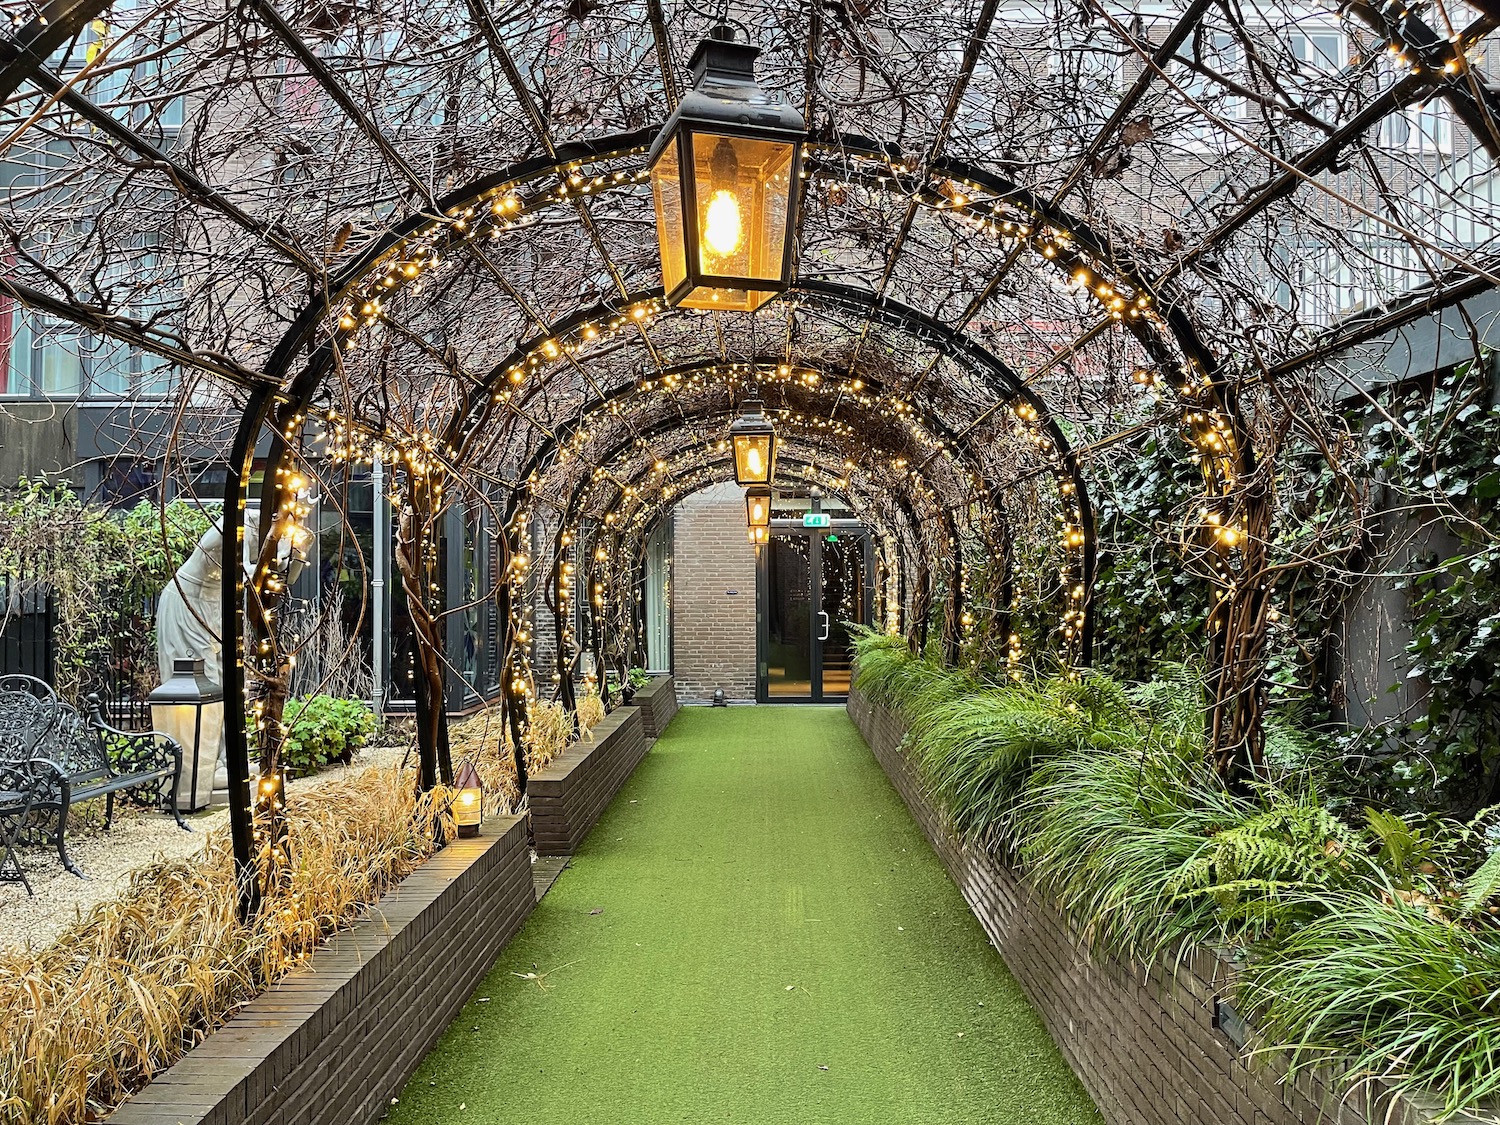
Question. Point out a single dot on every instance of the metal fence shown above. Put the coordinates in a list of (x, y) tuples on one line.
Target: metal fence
[(120, 669)]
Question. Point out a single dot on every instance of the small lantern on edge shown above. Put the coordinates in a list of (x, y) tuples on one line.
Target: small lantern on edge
[(468, 806), (758, 512), (725, 175), (753, 439), (189, 707)]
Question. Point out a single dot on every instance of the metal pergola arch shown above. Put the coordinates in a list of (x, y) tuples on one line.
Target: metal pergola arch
[(25, 50)]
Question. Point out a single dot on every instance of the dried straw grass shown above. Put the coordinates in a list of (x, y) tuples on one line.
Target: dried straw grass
[(484, 740), (590, 711), (126, 991)]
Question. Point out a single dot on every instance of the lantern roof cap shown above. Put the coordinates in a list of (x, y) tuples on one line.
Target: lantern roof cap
[(751, 418), (188, 683), (725, 96)]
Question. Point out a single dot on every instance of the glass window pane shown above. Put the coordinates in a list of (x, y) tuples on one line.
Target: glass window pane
[(842, 589), (62, 364), (788, 617), (667, 188), (155, 376), (15, 349), (742, 188), (109, 368)]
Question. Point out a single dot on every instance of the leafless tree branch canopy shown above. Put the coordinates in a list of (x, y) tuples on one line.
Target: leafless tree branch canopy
[(1028, 229)]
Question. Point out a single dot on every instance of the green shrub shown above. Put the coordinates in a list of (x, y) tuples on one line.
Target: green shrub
[(323, 729), (1385, 989)]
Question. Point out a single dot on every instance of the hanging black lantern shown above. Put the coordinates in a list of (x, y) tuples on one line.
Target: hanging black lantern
[(758, 512), (724, 174), (754, 441)]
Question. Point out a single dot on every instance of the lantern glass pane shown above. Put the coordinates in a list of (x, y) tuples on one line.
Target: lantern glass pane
[(666, 187), (752, 458), (182, 722), (742, 192), (758, 510), (468, 808)]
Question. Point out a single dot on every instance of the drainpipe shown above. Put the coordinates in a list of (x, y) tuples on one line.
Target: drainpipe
[(381, 517)]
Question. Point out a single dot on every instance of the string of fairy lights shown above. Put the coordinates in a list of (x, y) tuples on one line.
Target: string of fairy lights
[(401, 273)]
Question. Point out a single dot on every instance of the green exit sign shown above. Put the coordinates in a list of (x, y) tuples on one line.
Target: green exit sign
[(816, 519)]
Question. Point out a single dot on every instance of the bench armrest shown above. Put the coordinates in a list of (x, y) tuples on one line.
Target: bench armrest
[(42, 776), (18, 777), (134, 751)]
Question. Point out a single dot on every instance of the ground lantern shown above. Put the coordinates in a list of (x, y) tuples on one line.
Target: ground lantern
[(468, 806), (190, 707)]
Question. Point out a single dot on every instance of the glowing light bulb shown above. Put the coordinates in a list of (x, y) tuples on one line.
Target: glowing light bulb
[(753, 462), (722, 229)]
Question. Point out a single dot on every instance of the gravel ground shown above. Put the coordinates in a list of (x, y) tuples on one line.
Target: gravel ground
[(137, 838)]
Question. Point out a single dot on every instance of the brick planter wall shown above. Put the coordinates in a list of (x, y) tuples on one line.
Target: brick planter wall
[(1141, 1040), (336, 1042), (658, 703), (571, 793)]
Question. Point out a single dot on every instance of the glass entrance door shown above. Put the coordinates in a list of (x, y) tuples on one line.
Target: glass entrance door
[(813, 584)]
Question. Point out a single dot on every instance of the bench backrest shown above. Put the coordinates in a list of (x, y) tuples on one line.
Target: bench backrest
[(28, 712), (75, 747)]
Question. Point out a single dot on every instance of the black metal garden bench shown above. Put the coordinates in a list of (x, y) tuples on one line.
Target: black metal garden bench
[(18, 791), (28, 711), (78, 757)]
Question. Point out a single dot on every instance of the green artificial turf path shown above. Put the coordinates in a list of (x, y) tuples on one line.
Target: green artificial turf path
[(757, 933)]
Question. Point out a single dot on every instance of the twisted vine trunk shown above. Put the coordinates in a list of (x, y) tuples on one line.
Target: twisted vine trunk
[(1239, 626), (921, 608), (416, 547), (513, 668), (953, 611), (268, 665)]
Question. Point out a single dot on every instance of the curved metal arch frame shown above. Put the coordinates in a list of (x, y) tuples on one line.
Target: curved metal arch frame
[(286, 405), (719, 472), (570, 514), (598, 405), (710, 473), (961, 445), (945, 341), (915, 523), (32, 43), (627, 445)]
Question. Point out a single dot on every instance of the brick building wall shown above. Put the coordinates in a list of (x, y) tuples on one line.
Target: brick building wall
[(713, 608)]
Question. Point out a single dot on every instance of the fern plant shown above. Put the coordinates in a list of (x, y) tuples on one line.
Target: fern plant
[(1266, 870), (1482, 888)]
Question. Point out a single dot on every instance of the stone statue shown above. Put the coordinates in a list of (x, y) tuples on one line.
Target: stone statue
[(190, 609)]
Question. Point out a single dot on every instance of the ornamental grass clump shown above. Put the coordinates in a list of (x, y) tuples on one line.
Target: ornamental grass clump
[(551, 733), (1383, 990), (127, 990), (484, 740), (590, 711), (887, 672), (975, 751), (1370, 944)]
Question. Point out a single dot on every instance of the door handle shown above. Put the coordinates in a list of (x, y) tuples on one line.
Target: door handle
[(826, 623)]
